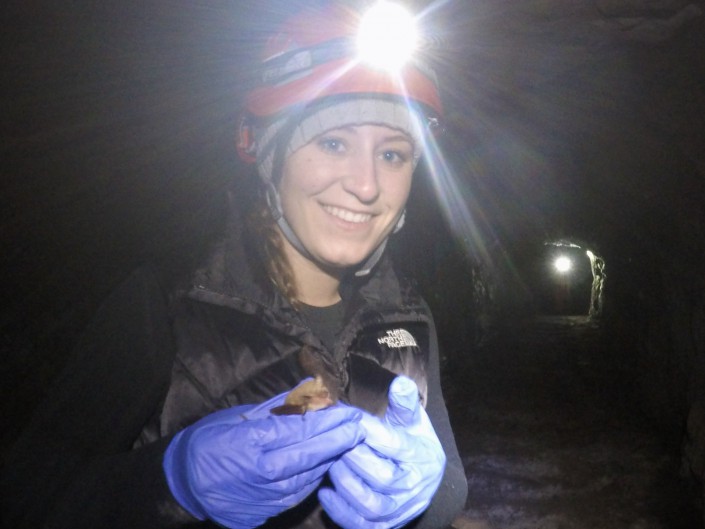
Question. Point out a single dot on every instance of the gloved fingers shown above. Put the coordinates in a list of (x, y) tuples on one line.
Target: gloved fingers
[(390, 478), (346, 516), (339, 511), (343, 514), (411, 443), (283, 431), (352, 504), (293, 461), (367, 500), (288, 491), (243, 465), (378, 472), (231, 513), (385, 476), (387, 440), (294, 444), (404, 403)]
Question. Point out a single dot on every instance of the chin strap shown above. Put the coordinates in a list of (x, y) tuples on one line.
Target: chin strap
[(372, 260), (275, 206)]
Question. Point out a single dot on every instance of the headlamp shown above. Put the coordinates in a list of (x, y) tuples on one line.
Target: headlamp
[(387, 36), (320, 55), (386, 40), (563, 264)]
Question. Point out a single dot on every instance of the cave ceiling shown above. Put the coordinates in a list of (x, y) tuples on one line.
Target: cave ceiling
[(577, 118)]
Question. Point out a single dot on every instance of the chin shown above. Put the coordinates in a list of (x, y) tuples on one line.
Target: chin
[(346, 260)]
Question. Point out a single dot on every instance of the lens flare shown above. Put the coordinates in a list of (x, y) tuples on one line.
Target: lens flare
[(387, 36), (563, 264)]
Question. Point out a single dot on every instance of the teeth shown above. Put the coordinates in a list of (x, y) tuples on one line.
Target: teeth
[(348, 216)]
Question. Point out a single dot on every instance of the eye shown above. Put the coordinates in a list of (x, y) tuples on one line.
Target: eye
[(395, 157), (331, 144)]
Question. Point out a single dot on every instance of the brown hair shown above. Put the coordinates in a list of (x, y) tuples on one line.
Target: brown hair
[(262, 223)]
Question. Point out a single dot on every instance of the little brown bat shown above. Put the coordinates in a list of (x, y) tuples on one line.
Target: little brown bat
[(312, 395)]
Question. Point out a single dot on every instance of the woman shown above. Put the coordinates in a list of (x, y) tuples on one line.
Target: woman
[(166, 418)]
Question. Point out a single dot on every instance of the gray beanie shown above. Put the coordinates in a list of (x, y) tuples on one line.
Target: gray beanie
[(390, 113)]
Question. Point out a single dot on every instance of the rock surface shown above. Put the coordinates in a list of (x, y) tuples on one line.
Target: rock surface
[(550, 439)]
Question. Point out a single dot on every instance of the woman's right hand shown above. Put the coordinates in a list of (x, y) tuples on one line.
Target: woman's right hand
[(243, 465)]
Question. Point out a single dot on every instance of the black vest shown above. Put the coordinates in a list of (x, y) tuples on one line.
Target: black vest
[(237, 340)]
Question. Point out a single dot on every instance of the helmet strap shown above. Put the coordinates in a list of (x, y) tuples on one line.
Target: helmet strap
[(400, 222), (274, 199), (274, 203), (372, 260)]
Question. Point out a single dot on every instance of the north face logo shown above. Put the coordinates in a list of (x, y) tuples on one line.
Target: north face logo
[(398, 338)]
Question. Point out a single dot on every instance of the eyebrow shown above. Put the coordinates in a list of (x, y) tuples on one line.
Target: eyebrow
[(399, 137), (396, 135)]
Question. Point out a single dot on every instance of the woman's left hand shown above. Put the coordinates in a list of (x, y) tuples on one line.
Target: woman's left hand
[(391, 477)]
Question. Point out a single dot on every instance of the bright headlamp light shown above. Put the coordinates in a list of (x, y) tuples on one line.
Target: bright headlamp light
[(387, 37), (563, 264)]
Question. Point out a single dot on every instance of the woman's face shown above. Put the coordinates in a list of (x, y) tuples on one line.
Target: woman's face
[(343, 192)]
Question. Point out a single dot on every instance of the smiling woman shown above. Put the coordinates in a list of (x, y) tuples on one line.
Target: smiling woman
[(343, 193), (167, 406)]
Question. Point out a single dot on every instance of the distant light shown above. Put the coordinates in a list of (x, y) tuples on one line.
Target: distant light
[(563, 264), (590, 255), (387, 36)]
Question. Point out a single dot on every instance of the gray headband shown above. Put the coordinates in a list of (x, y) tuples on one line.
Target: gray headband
[(393, 114)]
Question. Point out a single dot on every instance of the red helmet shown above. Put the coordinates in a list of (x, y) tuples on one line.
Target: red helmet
[(311, 59)]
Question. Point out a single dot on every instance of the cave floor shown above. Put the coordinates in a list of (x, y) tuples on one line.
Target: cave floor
[(549, 439)]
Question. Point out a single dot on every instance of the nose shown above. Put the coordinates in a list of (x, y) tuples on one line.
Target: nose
[(361, 179)]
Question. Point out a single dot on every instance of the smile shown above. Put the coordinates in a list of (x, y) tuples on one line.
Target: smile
[(347, 215)]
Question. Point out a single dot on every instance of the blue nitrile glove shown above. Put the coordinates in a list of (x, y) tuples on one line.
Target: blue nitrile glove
[(390, 478), (243, 465)]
